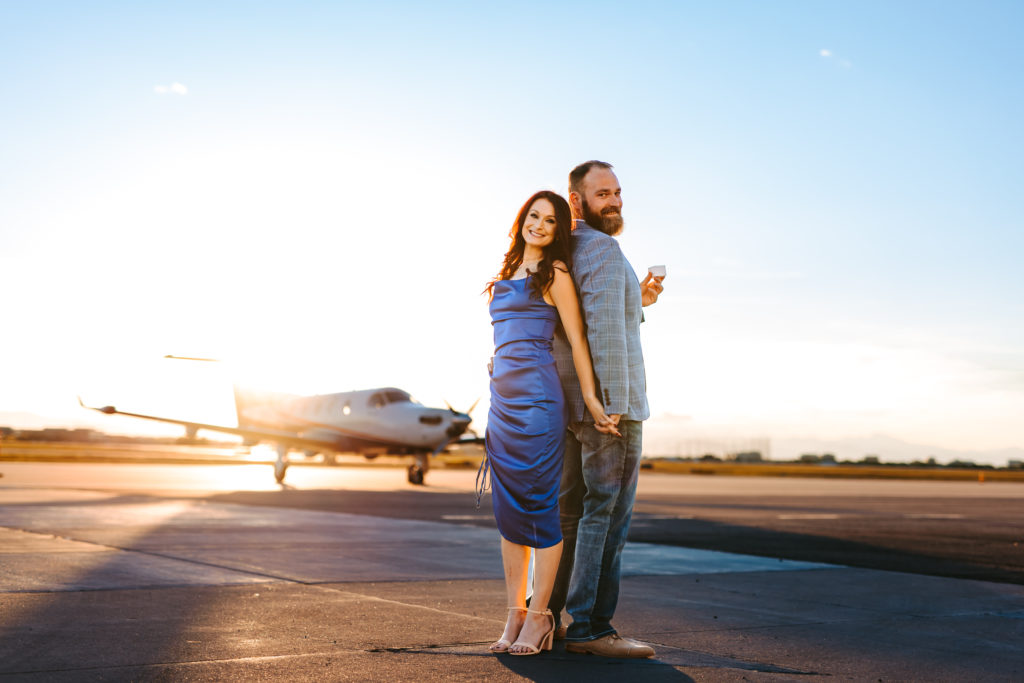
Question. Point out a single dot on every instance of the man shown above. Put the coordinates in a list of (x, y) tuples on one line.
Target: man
[(600, 472)]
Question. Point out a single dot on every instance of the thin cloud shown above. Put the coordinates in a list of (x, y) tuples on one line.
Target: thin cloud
[(736, 270), (174, 88), (828, 54)]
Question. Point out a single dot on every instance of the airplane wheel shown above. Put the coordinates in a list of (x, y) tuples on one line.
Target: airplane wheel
[(415, 475), (279, 473)]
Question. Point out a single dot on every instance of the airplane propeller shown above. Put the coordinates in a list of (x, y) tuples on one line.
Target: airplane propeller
[(471, 408), (470, 412), (461, 421)]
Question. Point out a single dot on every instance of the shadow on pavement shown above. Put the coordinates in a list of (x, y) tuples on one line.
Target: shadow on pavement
[(556, 667), (870, 549), (751, 540), (103, 617)]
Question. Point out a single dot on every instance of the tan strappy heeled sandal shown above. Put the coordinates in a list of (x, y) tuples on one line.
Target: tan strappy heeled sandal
[(545, 640), (502, 644)]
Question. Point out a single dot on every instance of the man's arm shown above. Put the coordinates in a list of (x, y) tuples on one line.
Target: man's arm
[(601, 281)]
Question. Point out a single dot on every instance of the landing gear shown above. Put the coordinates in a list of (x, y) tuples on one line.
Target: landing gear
[(281, 464), (419, 469)]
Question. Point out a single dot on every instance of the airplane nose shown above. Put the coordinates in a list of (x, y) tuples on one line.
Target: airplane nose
[(460, 422)]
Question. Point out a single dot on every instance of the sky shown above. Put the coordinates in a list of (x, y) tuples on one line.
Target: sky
[(317, 192)]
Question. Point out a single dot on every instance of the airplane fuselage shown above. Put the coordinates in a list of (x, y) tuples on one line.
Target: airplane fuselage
[(369, 421)]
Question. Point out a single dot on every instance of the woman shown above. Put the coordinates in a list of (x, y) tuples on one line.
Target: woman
[(527, 420)]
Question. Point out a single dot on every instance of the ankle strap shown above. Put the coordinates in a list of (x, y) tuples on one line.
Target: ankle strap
[(539, 611), (521, 609)]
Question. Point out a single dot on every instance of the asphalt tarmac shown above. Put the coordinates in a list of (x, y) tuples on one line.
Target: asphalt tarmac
[(182, 572), (962, 529)]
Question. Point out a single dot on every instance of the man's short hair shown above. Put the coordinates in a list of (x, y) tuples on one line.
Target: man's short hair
[(577, 174)]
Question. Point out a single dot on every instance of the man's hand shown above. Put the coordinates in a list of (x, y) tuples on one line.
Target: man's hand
[(650, 288)]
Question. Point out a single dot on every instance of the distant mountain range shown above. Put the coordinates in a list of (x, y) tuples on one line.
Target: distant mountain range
[(23, 420), (678, 435), (88, 420), (888, 449)]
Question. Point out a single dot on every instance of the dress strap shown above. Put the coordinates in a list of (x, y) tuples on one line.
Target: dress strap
[(483, 483)]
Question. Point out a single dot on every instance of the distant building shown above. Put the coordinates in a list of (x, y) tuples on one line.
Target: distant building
[(871, 460), (748, 456), (1016, 464)]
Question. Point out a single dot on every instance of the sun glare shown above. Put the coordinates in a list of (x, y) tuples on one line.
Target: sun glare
[(179, 389)]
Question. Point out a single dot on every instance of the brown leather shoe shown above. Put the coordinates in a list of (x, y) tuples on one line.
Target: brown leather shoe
[(612, 645), (560, 632)]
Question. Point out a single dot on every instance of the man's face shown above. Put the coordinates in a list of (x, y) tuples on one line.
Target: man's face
[(601, 201)]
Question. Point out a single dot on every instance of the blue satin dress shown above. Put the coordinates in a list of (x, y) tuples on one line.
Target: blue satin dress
[(525, 437)]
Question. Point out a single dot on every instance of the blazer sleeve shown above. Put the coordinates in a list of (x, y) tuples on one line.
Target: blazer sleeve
[(601, 269)]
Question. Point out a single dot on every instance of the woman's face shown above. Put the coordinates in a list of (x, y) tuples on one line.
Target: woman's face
[(539, 228)]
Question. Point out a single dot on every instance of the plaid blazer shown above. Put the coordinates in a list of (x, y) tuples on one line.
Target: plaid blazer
[(612, 312)]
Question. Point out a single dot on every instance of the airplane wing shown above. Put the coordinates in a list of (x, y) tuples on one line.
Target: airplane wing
[(285, 438)]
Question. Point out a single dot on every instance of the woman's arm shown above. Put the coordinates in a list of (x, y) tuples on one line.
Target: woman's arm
[(563, 295)]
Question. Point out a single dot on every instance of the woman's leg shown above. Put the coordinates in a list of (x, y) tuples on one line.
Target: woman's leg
[(545, 569), (516, 559)]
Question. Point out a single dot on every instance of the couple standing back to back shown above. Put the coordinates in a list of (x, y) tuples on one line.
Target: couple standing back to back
[(568, 397)]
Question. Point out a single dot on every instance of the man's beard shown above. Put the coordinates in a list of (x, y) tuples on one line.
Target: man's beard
[(610, 222)]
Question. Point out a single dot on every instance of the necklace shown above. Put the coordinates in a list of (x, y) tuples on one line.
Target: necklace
[(525, 269)]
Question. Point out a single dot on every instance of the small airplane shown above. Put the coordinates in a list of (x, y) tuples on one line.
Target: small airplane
[(370, 422)]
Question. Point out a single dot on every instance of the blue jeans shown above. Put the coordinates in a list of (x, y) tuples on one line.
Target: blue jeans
[(596, 503)]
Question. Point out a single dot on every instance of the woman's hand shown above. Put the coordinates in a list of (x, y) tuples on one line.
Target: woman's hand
[(603, 423)]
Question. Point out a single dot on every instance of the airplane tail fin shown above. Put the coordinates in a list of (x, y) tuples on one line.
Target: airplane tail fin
[(243, 398), (241, 402), (246, 399)]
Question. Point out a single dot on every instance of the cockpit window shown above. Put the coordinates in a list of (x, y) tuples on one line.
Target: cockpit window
[(382, 398)]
